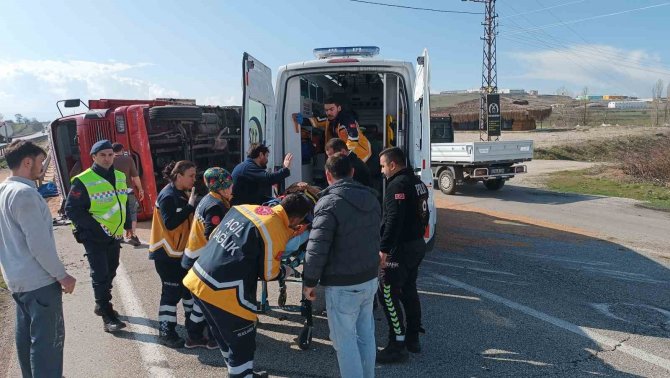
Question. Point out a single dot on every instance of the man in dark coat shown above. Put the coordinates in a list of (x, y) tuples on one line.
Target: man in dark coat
[(252, 183), (343, 256)]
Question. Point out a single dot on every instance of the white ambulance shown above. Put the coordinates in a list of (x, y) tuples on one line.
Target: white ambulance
[(390, 99)]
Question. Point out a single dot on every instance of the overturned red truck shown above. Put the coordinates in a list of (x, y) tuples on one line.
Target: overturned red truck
[(153, 132)]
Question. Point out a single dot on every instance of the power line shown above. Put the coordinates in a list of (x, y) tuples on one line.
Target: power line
[(543, 9), (414, 8), (589, 18), (536, 36), (592, 52)]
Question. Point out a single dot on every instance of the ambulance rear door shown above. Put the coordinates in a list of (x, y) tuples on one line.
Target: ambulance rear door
[(258, 106), (421, 136)]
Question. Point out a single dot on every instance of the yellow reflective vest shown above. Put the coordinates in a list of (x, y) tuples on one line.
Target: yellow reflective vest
[(108, 205)]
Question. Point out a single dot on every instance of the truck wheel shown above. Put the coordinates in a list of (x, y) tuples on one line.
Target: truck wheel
[(176, 113), (446, 182), (495, 184)]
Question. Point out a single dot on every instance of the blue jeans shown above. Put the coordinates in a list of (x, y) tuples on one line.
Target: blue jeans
[(40, 331), (352, 327)]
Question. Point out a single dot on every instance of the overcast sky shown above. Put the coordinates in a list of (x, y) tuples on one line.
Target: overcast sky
[(51, 50)]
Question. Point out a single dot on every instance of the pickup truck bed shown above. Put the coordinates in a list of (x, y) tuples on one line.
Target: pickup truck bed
[(482, 152)]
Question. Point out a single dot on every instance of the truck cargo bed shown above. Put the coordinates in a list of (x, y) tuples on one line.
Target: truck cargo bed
[(482, 152)]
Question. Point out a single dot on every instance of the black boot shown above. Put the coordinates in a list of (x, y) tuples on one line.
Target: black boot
[(260, 374), (393, 353), (168, 336), (412, 342), (110, 323), (98, 310)]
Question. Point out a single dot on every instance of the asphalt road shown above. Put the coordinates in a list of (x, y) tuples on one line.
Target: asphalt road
[(523, 282)]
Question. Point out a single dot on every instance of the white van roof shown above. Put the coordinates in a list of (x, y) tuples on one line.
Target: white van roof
[(335, 63)]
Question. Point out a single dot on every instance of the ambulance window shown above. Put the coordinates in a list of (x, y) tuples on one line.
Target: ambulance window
[(256, 122), (304, 88)]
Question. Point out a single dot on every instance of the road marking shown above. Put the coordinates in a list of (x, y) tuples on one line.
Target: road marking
[(505, 282), (581, 331), (533, 255), (448, 295), (472, 268), (154, 359), (467, 260), (626, 276)]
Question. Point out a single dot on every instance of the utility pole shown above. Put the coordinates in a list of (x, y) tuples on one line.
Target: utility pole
[(489, 66)]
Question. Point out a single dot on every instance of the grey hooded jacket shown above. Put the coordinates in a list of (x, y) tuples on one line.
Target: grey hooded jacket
[(343, 247)]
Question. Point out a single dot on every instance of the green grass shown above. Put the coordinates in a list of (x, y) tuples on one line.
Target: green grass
[(2, 283), (591, 181), (606, 150)]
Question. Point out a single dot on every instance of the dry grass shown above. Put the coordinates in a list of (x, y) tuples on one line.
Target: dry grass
[(652, 165), (612, 149)]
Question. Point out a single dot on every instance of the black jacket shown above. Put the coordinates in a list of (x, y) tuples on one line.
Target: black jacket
[(78, 204), (405, 210), (252, 185), (361, 170), (343, 247)]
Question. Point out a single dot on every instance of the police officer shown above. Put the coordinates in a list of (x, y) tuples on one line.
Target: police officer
[(405, 217), (208, 214), (246, 246), (96, 205)]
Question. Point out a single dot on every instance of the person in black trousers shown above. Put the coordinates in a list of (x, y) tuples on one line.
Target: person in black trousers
[(170, 228), (405, 217)]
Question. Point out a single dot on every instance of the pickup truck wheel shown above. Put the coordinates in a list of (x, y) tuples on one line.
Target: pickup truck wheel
[(496, 184), (176, 113), (446, 182)]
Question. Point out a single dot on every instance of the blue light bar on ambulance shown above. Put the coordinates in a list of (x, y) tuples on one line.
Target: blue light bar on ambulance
[(332, 52)]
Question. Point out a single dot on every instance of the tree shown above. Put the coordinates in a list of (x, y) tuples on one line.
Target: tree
[(656, 95), (19, 118), (585, 98)]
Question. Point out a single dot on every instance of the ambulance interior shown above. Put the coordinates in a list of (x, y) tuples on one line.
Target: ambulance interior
[(377, 100)]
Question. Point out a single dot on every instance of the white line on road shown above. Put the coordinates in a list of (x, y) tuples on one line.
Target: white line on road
[(154, 359), (537, 256), (472, 268), (581, 331), (466, 260)]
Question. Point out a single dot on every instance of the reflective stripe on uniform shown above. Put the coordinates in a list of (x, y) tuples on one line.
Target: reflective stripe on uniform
[(269, 257), (239, 284)]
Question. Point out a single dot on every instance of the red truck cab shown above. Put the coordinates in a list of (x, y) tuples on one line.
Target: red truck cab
[(153, 132)]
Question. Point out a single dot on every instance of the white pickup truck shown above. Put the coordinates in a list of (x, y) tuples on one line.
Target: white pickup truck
[(468, 163)]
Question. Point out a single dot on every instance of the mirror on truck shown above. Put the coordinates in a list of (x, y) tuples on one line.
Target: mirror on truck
[(71, 103)]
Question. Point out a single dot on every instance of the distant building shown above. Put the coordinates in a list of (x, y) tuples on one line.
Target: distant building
[(533, 92), (627, 105), (512, 91), (590, 97), (615, 97), (455, 91)]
